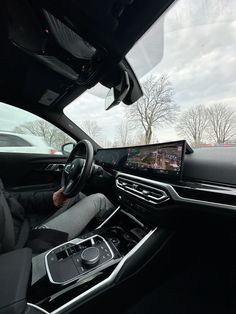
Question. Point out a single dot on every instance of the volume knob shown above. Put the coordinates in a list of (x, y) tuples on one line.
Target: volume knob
[(90, 256)]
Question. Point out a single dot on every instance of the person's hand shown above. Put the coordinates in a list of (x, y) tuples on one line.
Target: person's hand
[(58, 198)]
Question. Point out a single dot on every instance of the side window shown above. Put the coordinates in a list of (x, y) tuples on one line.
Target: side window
[(24, 132)]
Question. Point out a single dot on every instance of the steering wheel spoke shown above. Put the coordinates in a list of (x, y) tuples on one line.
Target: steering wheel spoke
[(67, 168), (68, 186)]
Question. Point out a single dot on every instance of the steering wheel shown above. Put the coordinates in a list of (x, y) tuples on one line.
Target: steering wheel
[(77, 171)]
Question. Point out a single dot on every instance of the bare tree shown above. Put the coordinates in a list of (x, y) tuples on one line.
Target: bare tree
[(122, 133), (91, 128), (139, 139), (107, 143), (222, 123), (52, 135), (40, 128), (155, 107), (192, 124), (61, 138)]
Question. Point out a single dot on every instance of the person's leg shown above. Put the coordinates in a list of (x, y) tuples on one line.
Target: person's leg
[(76, 218), (69, 203)]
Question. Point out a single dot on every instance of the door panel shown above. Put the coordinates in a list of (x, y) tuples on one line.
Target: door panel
[(31, 171)]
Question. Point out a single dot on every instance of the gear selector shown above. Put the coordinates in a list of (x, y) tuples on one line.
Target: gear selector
[(72, 261)]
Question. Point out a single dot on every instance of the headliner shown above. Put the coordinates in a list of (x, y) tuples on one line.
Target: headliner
[(39, 72)]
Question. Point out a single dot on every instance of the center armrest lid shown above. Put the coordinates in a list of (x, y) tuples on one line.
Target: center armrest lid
[(15, 270)]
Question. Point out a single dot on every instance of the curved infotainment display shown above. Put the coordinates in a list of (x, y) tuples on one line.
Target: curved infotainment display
[(156, 160)]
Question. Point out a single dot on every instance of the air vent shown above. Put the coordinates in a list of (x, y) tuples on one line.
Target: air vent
[(147, 193)]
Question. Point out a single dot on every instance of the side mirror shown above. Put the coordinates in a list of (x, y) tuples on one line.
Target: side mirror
[(117, 94), (67, 148)]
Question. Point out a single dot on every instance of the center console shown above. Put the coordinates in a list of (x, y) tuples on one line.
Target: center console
[(75, 270), (72, 273), (78, 259)]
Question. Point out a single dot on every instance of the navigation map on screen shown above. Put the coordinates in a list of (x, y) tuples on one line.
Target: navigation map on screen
[(165, 159)]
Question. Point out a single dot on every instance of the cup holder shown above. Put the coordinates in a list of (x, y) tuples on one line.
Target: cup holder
[(116, 230), (121, 238)]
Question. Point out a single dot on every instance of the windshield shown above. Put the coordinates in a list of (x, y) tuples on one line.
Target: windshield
[(185, 64)]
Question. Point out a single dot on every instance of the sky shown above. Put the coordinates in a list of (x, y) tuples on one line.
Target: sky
[(194, 43), (10, 117)]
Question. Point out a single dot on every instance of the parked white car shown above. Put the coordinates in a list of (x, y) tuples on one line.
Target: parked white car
[(23, 143)]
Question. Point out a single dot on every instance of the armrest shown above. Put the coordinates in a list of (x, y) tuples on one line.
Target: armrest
[(15, 270)]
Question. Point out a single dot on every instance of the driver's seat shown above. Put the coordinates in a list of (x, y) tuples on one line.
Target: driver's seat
[(38, 240)]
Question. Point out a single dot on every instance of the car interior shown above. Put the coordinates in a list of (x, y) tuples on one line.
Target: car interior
[(169, 245)]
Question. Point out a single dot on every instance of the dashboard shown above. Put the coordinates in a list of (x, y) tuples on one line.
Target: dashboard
[(212, 165), (155, 177)]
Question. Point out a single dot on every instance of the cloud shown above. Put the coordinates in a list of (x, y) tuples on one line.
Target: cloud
[(10, 117), (197, 52), (91, 107)]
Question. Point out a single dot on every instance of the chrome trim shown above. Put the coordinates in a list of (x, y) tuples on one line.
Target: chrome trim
[(78, 283), (90, 271), (140, 183), (139, 194), (67, 168), (210, 188), (37, 307), (136, 191), (54, 167), (175, 196), (106, 281), (108, 218), (133, 218)]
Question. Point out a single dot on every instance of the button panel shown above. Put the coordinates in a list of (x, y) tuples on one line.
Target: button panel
[(64, 263)]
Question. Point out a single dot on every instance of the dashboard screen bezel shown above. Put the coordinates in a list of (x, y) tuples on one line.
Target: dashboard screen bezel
[(120, 165)]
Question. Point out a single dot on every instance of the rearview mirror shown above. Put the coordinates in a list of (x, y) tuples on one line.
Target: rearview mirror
[(117, 94)]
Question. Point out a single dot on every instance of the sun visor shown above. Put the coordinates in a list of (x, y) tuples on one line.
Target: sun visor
[(44, 37), (68, 39), (24, 28)]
